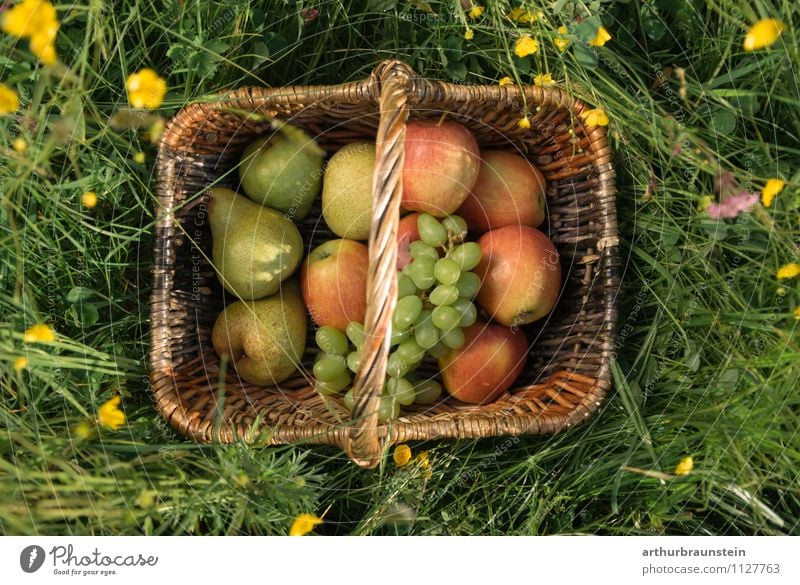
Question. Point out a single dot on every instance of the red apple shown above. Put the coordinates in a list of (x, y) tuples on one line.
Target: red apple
[(520, 274), (441, 166), (334, 283), (509, 191), (487, 365), (407, 232)]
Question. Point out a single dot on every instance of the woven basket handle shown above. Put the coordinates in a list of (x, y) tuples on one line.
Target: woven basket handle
[(362, 443)]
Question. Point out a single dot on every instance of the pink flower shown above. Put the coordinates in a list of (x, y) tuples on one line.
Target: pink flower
[(732, 206)]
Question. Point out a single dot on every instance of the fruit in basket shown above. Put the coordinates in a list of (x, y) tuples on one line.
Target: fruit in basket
[(441, 166), (520, 274), (487, 365), (334, 282), (509, 191), (254, 248), (283, 171), (264, 339), (407, 233), (347, 191)]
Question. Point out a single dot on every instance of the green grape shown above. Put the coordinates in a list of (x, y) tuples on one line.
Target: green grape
[(331, 340), (446, 271), (454, 338), (396, 366), (420, 249), (469, 313), (398, 337), (421, 272), (388, 409), (402, 390), (355, 332), (354, 361), (455, 225), (428, 391), (349, 399), (468, 285), (445, 318), (431, 231), (329, 368), (405, 286), (425, 331), (467, 255), (411, 351), (444, 294), (332, 387), (406, 312), (439, 350)]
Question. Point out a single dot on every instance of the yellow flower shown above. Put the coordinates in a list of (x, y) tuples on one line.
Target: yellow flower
[(146, 89), (524, 123), (685, 466), (561, 42), (20, 363), (543, 80), (771, 190), (469, 34), (763, 33), (526, 46), (19, 145), (601, 38), (422, 460), (595, 117), (39, 333), (476, 12), (401, 455), (109, 414), (29, 17), (521, 15), (138, 158), (304, 524), (43, 43), (89, 199), (9, 100), (83, 430), (505, 81), (788, 270), (797, 313)]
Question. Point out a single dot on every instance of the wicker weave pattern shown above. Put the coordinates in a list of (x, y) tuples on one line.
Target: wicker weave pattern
[(568, 371)]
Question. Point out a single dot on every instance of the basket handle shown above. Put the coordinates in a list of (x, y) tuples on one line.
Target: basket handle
[(362, 443)]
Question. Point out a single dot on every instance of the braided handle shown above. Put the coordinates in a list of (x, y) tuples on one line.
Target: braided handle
[(362, 443)]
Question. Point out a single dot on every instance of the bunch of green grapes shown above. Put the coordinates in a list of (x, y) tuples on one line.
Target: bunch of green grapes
[(340, 358)]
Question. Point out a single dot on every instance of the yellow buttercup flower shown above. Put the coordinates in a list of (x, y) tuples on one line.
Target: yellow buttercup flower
[(401, 455), (476, 12), (9, 100), (763, 33), (595, 117), (138, 158), (524, 123), (797, 313), (469, 34), (304, 524), (521, 15), (20, 363), (89, 199), (685, 466), (505, 81), (43, 43), (109, 414), (561, 42), (83, 430), (788, 271), (771, 190), (422, 460), (39, 333), (19, 145), (28, 18), (601, 38), (526, 46), (146, 89), (543, 80)]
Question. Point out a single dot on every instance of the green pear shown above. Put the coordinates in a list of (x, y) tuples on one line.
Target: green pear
[(264, 339), (347, 191), (283, 171), (254, 248)]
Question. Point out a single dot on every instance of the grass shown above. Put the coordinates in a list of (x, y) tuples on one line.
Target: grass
[(707, 354)]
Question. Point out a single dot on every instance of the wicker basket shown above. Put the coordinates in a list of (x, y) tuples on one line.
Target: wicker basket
[(568, 370)]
